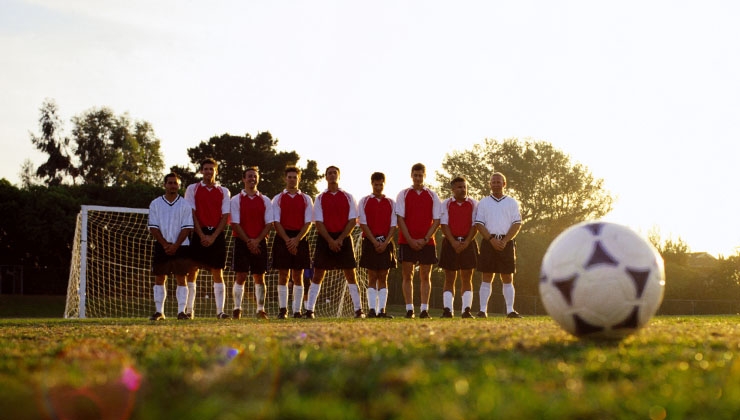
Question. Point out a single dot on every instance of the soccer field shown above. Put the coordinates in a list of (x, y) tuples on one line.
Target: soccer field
[(677, 367)]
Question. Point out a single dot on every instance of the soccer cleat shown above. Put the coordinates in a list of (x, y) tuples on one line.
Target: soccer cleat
[(447, 313), (410, 314), (157, 316), (482, 314), (283, 314), (359, 314), (183, 315), (424, 314), (309, 315), (297, 315), (466, 313), (261, 315), (236, 314), (383, 314), (222, 315), (513, 314), (371, 313)]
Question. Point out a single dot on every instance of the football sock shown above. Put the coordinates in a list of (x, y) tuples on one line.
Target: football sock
[(238, 292), (259, 295), (354, 292), (313, 294), (382, 297), (485, 294), (409, 306), (182, 298), (467, 299), (447, 298), (160, 294), (191, 298), (424, 307), (218, 293), (282, 290), (508, 291), (297, 298), (372, 298)]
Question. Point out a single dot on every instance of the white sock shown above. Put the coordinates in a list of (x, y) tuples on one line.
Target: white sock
[(219, 292), (424, 307), (485, 294), (160, 294), (259, 295), (467, 299), (447, 300), (382, 298), (190, 308), (313, 295), (182, 298), (282, 290), (409, 306), (297, 298), (508, 291), (238, 292), (372, 298), (354, 292)]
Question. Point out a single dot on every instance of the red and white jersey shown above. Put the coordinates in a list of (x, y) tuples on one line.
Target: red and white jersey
[(335, 209), (498, 214), (252, 213), (209, 203), (292, 211), (377, 213), (170, 217), (459, 216), (419, 210)]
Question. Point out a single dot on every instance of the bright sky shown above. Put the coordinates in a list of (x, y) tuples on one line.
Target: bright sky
[(644, 93)]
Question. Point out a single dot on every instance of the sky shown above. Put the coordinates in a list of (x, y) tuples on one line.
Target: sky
[(646, 94)]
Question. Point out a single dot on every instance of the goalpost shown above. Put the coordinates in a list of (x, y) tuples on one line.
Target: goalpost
[(110, 273)]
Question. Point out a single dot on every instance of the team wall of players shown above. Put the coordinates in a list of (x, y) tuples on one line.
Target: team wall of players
[(189, 235)]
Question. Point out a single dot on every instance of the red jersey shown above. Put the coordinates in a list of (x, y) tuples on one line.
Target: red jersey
[(335, 209), (419, 210), (460, 217), (378, 214), (251, 213), (292, 211), (209, 203)]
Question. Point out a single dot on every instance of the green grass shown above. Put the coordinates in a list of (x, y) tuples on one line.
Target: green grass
[(677, 367)]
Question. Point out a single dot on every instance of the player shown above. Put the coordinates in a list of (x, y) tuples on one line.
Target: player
[(335, 216), (290, 253), (251, 222), (418, 210), (498, 220), (170, 223), (378, 224), (211, 207), (459, 251)]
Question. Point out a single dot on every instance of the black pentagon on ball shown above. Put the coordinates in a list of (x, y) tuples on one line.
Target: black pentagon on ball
[(595, 228), (600, 256), (565, 287), (584, 328), (639, 278)]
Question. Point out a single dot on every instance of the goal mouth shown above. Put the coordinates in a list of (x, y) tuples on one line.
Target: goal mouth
[(110, 273)]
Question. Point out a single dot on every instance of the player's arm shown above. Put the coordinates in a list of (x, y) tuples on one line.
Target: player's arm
[(157, 234), (431, 231), (513, 231), (184, 234), (368, 234)]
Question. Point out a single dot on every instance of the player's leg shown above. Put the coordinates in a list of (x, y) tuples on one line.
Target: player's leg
[(485, 293), (160, 295), (448, 294), (407, 272), (372, 293), (383, 293), (466, 287), (182, 295), (298, 292), (354, 291), (238, 293), (219, 292), (313, 292), (191, 278), (425, 288), (507, 288)]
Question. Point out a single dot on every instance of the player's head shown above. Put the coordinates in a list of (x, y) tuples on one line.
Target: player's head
[(377, 176), (332, 174), (251, 176), (377, 180), (292, 177), (172, 175), (171, 183), (498, 182), (209, 169), (419, 167), (459, 187), (418, 173)]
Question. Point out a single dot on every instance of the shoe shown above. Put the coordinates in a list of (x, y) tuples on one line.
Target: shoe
[(371, 314), (447, 313), (190, 315), (297, 315), (183, 315), (261, 315), (309, 315), (237, 314), (466, 314), (359, 314), (424, 315), (410, 314), (482, 314), (156, 317), (222, 315), (513, 314), (383, 314), (283, 314)]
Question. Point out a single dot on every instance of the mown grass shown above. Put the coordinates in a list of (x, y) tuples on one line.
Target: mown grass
[(677, 367)]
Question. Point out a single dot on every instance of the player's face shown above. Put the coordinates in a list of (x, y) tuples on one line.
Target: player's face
[(378, 187), (172, 185), (209, 172), (497, 184), (460, 190), (291, 180), (251, 179), (418, 178), (332, 175)]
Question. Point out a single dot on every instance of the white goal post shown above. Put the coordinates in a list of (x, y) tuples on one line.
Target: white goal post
[(110, 273)]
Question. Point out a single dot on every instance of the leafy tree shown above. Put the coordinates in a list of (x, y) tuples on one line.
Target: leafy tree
[(53, 144), (236, 153), (553, 192)]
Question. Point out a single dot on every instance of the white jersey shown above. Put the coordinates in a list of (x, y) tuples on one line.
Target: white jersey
[(498, 214), (170, 217)]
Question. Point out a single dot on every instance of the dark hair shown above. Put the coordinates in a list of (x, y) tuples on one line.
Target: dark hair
[(171, 175), (377, 176), (419, 167), (251, 168), (457, 179), (332, 166), (208, 160), (295, 169)]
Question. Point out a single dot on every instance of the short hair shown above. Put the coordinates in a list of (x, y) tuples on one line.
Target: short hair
[(419, 167), (295, 169), (457, 179), (499, 174), (377, 176), (332, 166), (208, 160), (172, 175), (251, 168)]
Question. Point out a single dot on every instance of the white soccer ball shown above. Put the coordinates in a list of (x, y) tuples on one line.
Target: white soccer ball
[(601, 280)]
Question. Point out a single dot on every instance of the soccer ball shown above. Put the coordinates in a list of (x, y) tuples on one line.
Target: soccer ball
[(601, 280)]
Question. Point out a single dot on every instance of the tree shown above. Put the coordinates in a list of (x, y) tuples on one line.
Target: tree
[(236, 153), (553, 192), (53, 144)]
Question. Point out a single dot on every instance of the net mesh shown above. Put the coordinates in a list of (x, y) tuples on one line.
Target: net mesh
[(110, 273)]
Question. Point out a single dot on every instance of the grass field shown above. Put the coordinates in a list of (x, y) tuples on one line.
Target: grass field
[(678, 367)]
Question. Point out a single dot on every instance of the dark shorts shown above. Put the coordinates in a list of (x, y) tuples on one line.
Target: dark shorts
[(213, 256), (282, 259), (373, 260), (245, 261), (427, 255), (492, 261), (178, 264), (326, 259), (450, 260)]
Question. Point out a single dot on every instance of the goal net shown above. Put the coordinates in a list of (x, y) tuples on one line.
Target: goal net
[(110, 273)]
